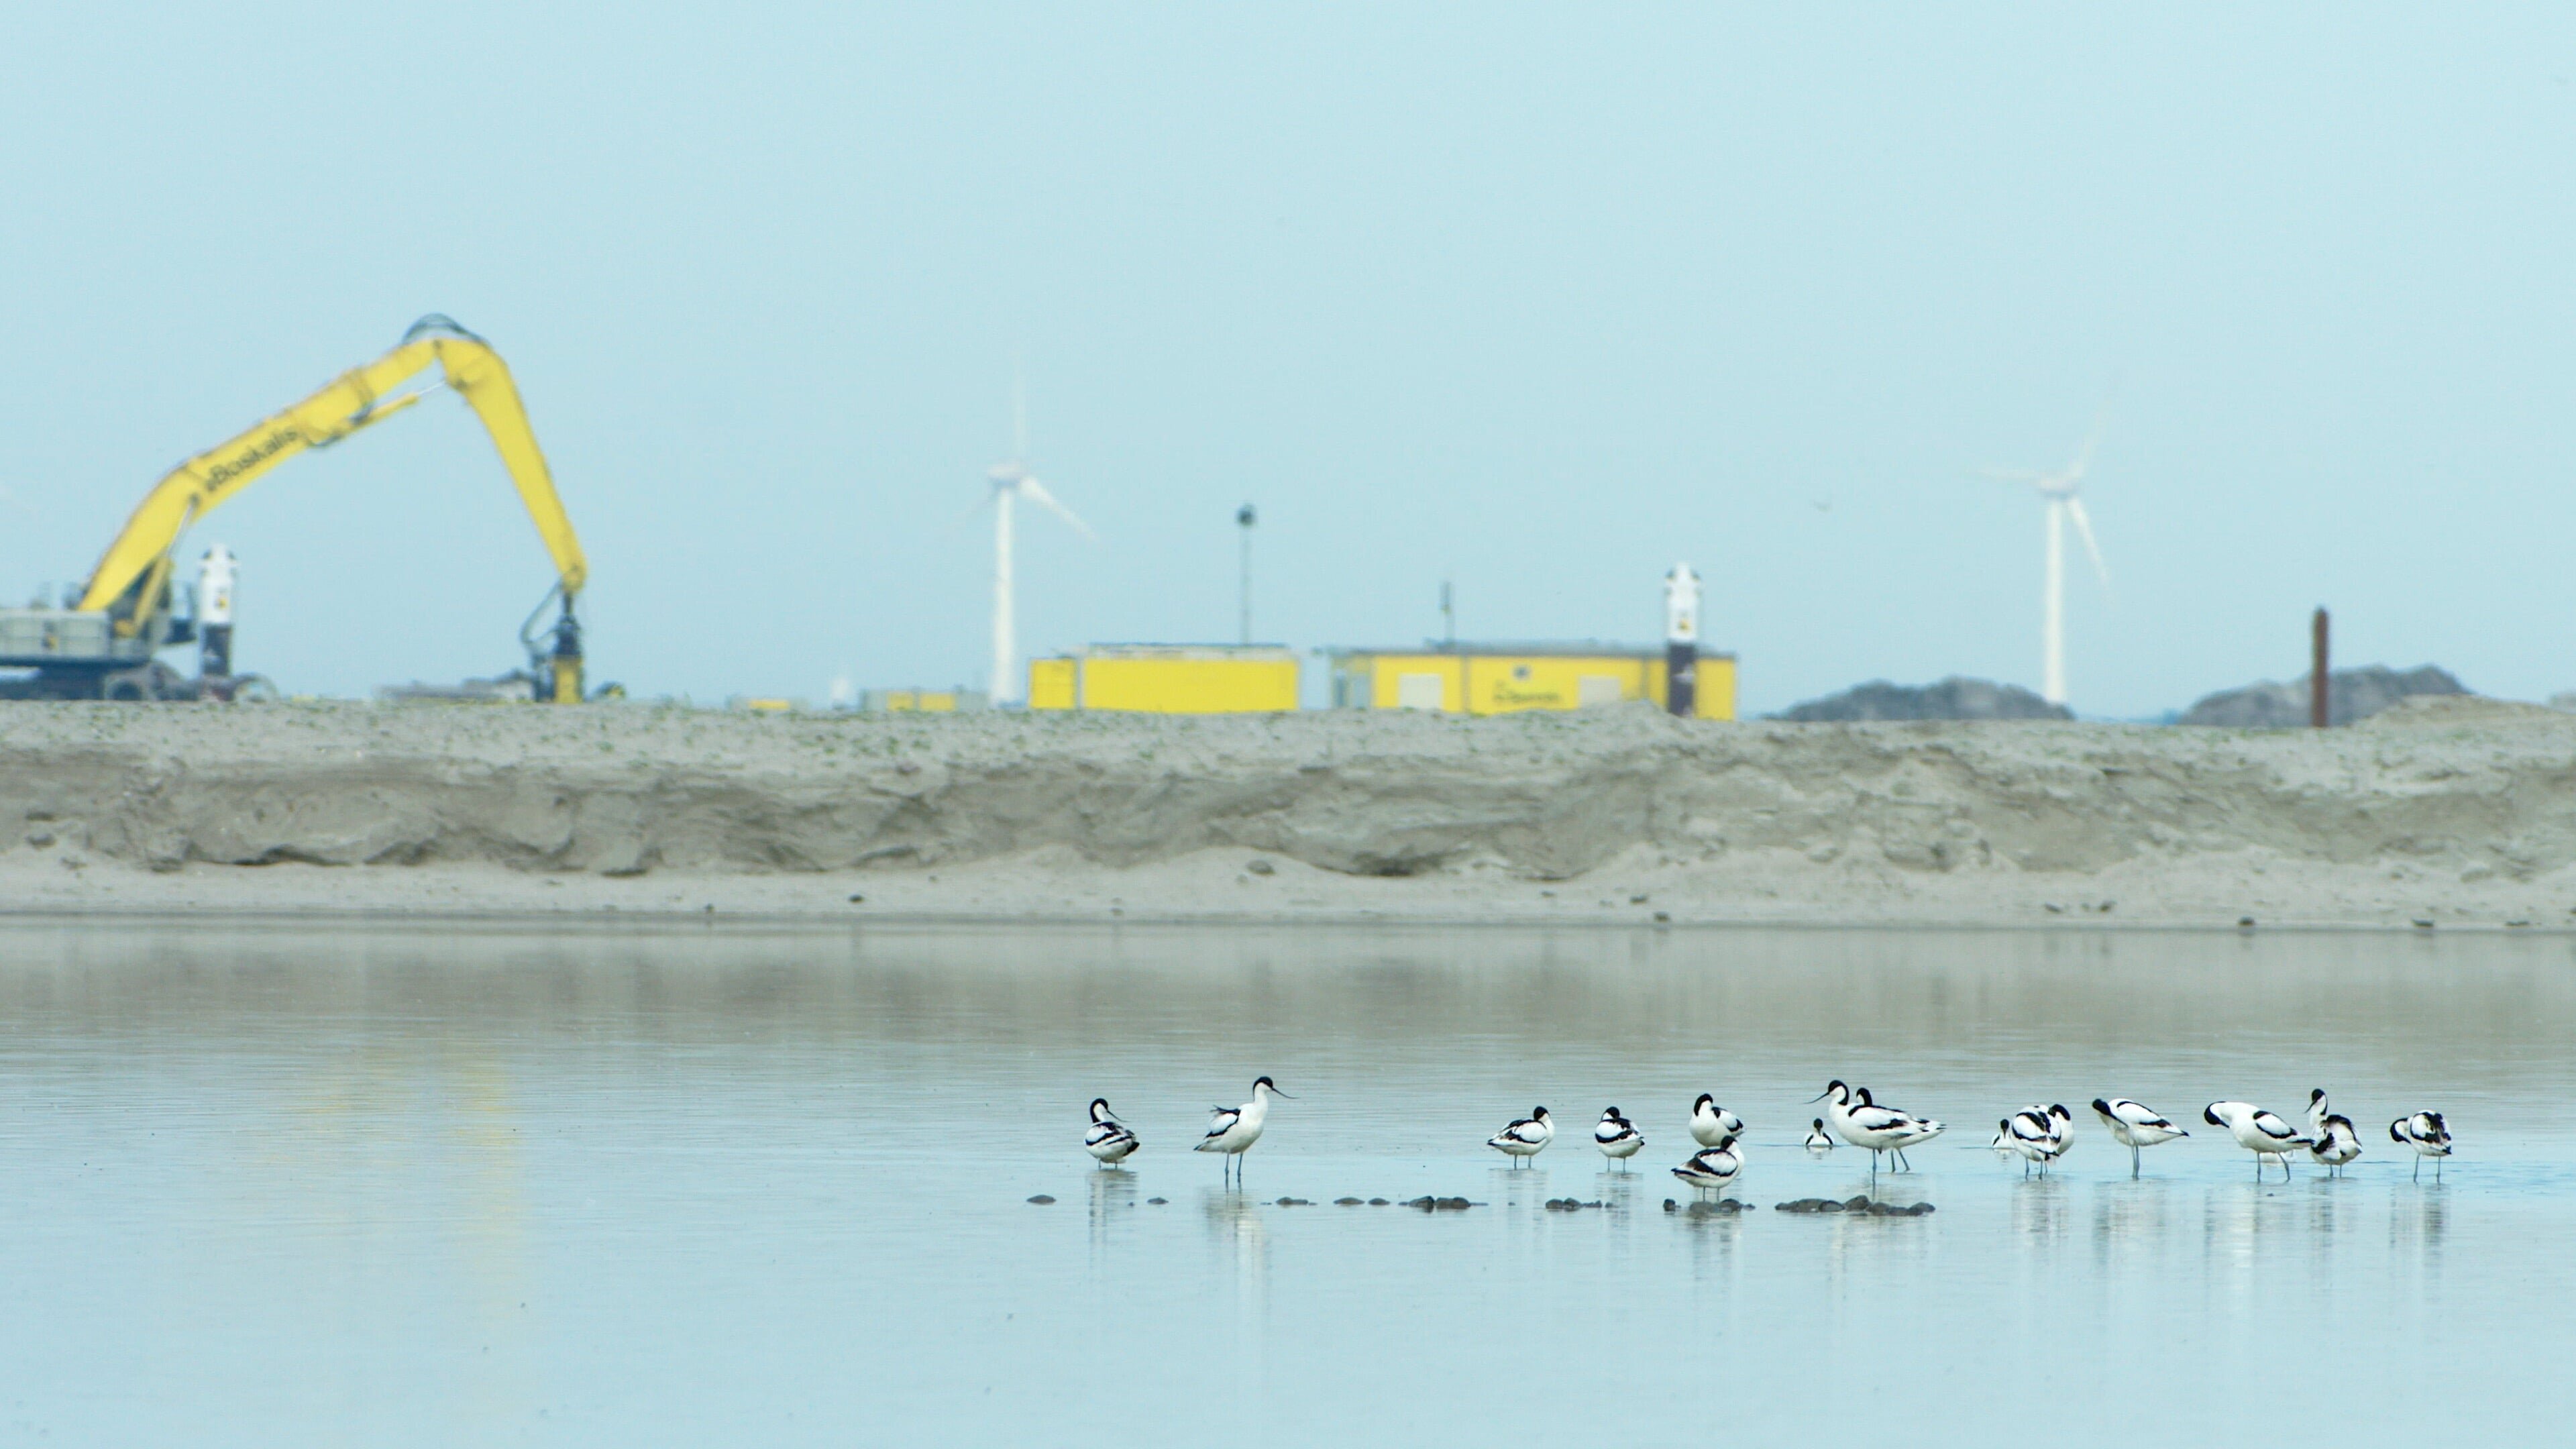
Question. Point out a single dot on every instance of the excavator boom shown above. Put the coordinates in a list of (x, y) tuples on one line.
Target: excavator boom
[(134, 572)]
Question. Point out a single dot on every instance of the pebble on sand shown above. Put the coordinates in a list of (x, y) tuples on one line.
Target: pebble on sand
[(1042, 1199)]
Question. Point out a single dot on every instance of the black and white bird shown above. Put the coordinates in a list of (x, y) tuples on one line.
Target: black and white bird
[(1711, 1168), (2031, 1135), (1818, 1139), (1525, 1138), (2134, 1126), (2428, 1134), (1109, 1142), (1617, 1137), (1712, 1125), (1233, 1130), (2061, 1130), (2317, 1110), (1863, 1123), (2257, 1131), (2337, 1143)]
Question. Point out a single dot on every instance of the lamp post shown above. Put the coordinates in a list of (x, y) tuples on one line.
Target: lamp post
[(1244, 518)]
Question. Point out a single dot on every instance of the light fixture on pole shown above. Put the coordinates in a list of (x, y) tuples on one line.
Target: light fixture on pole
[(1244, 519)]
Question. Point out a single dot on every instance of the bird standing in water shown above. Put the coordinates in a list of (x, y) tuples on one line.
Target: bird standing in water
[(1109, 1142), (1233, 1130)]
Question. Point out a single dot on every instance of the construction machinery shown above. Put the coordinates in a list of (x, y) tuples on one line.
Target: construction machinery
[(105, 642)]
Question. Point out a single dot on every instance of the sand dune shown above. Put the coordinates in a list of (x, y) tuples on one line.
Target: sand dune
[(2457, 811)]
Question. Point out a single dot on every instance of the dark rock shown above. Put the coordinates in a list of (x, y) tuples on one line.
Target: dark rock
[(1377, 1202), (2352, 695), (1809, 1205), (855, 898), (1424, 1203), (1858, 1204), (1349, 1201), (1671, 1206), (1042, 1199), (1158, 1201), (1952, 698), (1451, 1204), (1562, 1205), (1262, 867)]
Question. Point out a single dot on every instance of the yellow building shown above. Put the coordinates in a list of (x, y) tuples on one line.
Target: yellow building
[(1500, 678), (1168, 679)]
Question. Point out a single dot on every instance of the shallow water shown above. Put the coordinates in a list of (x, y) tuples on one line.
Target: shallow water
[(443, 1185)]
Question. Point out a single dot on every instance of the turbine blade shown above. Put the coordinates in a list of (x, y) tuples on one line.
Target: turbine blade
[(2093, 439), (2013, 475), (1036, 492), (2084, 531)]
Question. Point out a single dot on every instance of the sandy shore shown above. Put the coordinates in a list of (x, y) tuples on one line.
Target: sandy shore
[(2458, 813)]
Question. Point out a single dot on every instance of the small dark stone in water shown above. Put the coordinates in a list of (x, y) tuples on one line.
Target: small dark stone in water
[(1042, 1199), (1562, 1204), (1346, 1202), (1261, 867), (1859, 1204), (1663, 918), (1294, 1202), (1451, 1204), (1424, 1203), (1377, 1202), (1811, 1205), (1671, 1206), (1919, 1210), (2245, 923), (857, 899), (1158, 1201)]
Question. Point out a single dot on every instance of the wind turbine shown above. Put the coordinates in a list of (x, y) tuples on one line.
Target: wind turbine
[(1011, 482), (2058, 491)]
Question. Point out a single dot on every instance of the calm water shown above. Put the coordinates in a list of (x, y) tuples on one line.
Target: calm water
[(441, 1186)]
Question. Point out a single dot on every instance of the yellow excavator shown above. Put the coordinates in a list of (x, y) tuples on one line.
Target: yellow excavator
[(105, 643)]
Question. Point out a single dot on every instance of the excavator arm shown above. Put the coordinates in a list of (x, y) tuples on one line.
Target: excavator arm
[(132, 577)]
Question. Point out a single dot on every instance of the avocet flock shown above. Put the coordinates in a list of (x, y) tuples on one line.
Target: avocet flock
[(2038, 1135)]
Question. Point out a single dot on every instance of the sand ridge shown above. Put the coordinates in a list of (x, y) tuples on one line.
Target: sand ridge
[(2456, 811)]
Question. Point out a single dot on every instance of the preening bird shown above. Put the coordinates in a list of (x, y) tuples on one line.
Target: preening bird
[(2257, 1131), (1711, 1168), (1712, 1125), (2029, 1134), (1525, 1138), (2337, 1143), (1108, 1141), (2428, 1134), (2133, 1125), (1617, 1137)]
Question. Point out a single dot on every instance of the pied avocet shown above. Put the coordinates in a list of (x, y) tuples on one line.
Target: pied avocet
[(1711, 1168), (1108, 1141), (1712, 1125), (1863, 1123), (1525, 1138), (2257, 1131), (2134, 1126), (1617, 1137), (1233, 1130), (2428, 1134)]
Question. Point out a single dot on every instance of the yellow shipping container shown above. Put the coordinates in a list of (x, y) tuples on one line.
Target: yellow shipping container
[(1500, 678), (1168, 679)]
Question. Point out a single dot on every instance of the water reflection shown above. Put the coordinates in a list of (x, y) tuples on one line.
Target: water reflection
[(1113, 1204), (685, 1177)]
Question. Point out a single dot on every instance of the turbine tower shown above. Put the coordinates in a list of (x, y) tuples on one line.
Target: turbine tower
[(1011, 482), (2064, 504)]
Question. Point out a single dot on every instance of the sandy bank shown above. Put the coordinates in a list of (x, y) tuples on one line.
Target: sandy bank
[(2461, 812)]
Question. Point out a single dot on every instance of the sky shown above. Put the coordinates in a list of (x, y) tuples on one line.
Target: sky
[(1532, 300)]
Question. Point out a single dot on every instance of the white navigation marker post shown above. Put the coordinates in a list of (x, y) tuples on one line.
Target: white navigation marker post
[(1681, 641)]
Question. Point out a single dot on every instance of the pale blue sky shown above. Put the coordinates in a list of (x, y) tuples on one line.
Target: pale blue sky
[(1537, 299)]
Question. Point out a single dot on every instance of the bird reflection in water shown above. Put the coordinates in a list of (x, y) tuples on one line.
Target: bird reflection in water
[(1113, 1200)]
